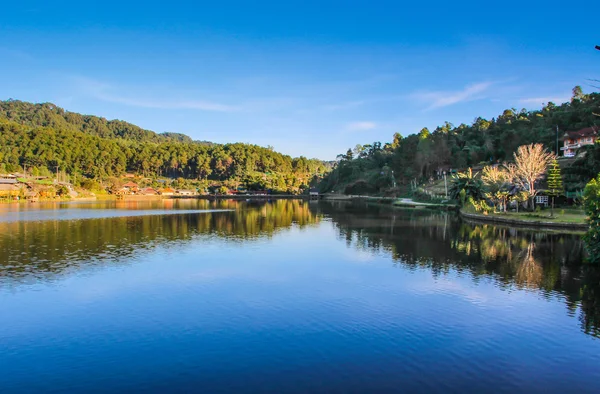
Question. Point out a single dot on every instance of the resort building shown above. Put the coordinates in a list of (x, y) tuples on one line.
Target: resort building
[(149, 191), (131, 188), (8, 179), (167, 191), (185, 192), (573, 140)]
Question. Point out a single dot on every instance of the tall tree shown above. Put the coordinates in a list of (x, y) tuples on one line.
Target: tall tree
[(555, 183), (531, 162), (397, 140), (497, 183)]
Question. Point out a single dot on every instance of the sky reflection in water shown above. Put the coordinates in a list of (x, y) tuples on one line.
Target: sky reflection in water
[(291, 296)]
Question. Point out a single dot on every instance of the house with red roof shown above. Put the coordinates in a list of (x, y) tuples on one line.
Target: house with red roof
[(129, 188), (149, 191), (573, 140), (167, 191)]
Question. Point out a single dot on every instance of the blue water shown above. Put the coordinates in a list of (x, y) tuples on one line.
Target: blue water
[(290, 296)]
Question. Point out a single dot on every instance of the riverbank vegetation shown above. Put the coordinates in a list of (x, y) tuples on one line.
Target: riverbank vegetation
[(420, 160), (592, 209), (507, 167)]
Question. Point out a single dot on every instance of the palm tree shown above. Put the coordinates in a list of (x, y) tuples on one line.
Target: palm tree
[(469, 182)]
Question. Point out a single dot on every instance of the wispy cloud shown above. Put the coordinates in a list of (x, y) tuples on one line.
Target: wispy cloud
[(544, 100), (109, 93), (361, 126), (439, 99)]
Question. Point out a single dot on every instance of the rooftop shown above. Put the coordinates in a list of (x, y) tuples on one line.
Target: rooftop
[(583, 133)]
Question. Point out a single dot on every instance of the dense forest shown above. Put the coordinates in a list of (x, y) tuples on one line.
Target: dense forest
[(377, 167), (40, 137)]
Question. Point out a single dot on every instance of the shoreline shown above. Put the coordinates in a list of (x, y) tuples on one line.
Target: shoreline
[(239, 197), (111, 197), (523, 223), (391, 201)]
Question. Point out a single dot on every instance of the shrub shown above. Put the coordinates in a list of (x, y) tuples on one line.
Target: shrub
[(462, 196), (478, 206), (591, 198), (359, 187)]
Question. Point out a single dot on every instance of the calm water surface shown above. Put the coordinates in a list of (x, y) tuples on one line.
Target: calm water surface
[(289, 296)]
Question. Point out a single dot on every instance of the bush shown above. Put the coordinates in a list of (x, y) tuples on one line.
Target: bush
[(359, 187), (462, 196), (591, 198), (478, 206)]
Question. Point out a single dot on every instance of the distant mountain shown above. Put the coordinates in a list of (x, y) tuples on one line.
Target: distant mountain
[(51, 115)]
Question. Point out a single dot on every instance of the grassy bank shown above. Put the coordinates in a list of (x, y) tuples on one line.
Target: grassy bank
[(569, 218), (393, 201)]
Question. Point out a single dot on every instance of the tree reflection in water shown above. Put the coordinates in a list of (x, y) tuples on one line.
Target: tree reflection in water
[(547, 262), (34, 250)]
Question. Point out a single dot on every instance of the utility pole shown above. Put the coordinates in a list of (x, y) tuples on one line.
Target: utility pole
[(56, 174), (556, 140)]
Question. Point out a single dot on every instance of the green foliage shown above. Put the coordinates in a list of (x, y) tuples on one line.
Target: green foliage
[(360, 187), (555, 183), (498, 184), (62, 191), (469, 182), (592, 209), (478, 206), (426, 153), (584, 168), (462, 195), (367, 163), (42, 136)]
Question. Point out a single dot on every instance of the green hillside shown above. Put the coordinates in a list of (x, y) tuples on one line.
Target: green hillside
[(40, 137)]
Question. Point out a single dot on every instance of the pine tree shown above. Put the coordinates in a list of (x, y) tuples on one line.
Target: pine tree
[(555, 183)]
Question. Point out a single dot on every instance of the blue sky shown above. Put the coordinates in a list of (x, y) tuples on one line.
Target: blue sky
[(309, 78)]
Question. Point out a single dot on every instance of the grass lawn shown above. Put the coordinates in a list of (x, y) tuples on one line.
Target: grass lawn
[(567, 217), (570, 215)]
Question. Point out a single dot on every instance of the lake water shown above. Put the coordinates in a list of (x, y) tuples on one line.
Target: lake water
[(289, 296)]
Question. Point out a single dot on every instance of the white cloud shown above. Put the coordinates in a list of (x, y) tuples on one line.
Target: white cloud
[(108, 93), (439, 99), (361, 126)]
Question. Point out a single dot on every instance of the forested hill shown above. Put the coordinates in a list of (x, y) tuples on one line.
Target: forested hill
[(39, 137), (374, 167), (50, 115)]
